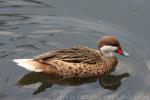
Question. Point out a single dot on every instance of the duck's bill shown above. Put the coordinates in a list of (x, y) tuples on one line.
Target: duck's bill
[(125, 54), (122, 52)]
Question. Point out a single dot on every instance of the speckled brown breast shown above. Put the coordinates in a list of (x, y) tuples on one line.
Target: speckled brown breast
[(111, 64)]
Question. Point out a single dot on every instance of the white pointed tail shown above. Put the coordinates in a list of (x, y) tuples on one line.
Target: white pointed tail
[(26, 63)]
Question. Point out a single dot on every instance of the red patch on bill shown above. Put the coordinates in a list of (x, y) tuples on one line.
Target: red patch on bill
[(119, 51)]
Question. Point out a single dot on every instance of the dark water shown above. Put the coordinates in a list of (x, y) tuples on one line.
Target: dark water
[(31, 27)]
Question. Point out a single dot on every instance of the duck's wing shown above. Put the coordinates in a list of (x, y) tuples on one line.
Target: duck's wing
[(72, 55)]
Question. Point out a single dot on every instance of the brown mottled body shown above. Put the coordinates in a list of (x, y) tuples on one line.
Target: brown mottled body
[(91, 64)]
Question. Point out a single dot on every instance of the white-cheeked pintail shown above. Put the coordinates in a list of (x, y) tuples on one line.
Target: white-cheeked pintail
[(77, 61)]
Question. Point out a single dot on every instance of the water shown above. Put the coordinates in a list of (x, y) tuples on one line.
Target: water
[(31, 27)]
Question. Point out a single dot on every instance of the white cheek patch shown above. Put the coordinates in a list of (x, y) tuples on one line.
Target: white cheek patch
[(108, 50)]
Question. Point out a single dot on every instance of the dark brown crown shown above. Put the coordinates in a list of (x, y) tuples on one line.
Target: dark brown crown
[(109, 40)]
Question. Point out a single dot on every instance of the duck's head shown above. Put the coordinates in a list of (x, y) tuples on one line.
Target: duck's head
[(109, 44)]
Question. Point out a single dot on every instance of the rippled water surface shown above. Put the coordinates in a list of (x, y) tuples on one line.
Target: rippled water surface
[(31, 27)]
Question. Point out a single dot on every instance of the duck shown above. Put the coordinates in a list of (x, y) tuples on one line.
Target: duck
[(77, 61)]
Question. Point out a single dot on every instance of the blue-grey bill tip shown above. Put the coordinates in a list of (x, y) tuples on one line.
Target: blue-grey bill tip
[(126, 54)]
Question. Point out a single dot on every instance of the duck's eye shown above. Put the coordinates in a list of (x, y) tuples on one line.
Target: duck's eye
[(112, 44)]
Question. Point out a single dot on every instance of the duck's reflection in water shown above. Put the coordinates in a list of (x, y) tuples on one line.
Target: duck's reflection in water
[(108, 81)]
